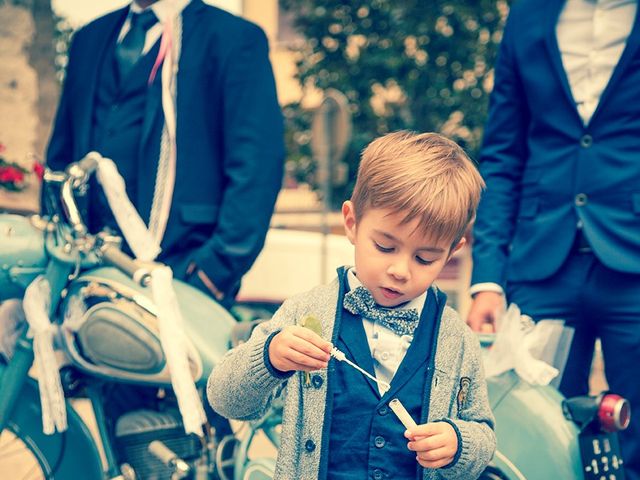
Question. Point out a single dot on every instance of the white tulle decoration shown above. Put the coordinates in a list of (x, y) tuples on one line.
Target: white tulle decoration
[(144, 246), (36, 304), (517, 344), (174, 344)]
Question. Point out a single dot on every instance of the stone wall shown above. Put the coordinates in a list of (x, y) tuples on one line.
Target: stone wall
[(28, 91)]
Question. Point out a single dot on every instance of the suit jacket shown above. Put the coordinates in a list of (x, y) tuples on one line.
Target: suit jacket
[(545, 170), (229, 138)]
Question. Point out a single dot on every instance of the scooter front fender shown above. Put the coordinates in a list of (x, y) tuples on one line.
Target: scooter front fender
[(73, 453), (535, 440)]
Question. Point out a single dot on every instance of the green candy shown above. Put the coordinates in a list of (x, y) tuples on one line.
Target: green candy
[(312, 323)]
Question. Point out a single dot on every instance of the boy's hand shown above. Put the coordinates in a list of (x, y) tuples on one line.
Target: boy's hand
[(434, 443), (298, 348)]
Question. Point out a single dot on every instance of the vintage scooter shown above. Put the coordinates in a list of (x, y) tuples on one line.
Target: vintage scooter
[(114, 339)]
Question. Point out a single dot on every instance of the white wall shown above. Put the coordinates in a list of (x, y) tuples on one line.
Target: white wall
[(291, 262)]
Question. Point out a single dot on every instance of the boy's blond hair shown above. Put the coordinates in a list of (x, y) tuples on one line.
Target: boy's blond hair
[(424, 175)]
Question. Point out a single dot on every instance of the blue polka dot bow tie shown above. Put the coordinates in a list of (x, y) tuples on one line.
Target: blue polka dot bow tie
[(359, 301)]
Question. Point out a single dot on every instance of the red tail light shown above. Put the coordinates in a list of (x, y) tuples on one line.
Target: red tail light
[(614, 412)]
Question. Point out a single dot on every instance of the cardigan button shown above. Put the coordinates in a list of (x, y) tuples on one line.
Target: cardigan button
[(317, 381), (383, 410), (309, 446), (379, 442)]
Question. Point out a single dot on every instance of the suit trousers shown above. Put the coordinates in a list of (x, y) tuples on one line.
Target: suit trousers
[(599, 303)]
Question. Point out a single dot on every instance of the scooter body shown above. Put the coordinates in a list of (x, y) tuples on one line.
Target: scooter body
[(107, 333)]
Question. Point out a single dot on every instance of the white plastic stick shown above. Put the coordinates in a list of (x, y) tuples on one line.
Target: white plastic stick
[(402, 414), (341, 357)]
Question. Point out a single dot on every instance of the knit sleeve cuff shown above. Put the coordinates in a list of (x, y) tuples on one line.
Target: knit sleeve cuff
[(279, 374), (459, 450)]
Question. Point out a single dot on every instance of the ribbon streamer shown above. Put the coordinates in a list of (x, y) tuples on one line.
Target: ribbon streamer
[(174, 344), (36, 304), (144, 246), (169, 55)]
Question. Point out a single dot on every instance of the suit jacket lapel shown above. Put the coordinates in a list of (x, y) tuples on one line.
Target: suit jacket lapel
[(633, 42), (553, 9), (190, 19), (102, 39), (154, 116), (147, 155), (153, 110)]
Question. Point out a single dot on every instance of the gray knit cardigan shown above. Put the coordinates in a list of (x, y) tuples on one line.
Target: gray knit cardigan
[(242, 387)]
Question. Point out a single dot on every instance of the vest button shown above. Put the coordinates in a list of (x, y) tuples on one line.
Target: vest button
[(581, 199), (383, 410), (377, 474), (309, 446), (586, 141), (317, 381), (379, 442)]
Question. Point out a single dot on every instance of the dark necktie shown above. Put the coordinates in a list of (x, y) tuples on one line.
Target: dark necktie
[(359, 301), (130, 48)]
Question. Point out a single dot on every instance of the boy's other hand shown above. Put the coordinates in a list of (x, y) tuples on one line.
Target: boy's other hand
[(298, 348), (486, 307), (435, 444)]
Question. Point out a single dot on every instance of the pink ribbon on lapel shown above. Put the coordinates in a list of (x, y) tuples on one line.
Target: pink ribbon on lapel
[(165, 46)]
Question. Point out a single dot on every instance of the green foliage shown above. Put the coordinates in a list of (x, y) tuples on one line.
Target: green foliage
[(423, 65)]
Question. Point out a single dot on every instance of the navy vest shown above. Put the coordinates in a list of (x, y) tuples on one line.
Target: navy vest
[(118, 116), (366, 440)]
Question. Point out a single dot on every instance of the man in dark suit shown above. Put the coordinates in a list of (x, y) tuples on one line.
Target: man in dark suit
[(558, 229), (228, 140)]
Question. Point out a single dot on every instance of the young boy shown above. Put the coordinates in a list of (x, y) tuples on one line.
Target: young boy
[(414, 197)]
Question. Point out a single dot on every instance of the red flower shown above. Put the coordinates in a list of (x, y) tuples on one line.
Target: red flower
[(11, 175), (38, 169)]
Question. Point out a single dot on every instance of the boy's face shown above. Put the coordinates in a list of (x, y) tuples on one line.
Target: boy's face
[(394, 261)]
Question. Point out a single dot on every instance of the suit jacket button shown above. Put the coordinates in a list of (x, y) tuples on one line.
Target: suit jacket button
[(586, 141), (581, 200), (309, 446), (317, 381)]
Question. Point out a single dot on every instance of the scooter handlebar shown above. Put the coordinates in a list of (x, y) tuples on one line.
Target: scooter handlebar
[(112, 255)]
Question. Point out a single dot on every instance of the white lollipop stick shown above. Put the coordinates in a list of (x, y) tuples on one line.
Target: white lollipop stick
[(402, 414)]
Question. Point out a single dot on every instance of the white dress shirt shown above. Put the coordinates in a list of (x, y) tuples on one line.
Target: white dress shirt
[(591, 37), (387, 347)]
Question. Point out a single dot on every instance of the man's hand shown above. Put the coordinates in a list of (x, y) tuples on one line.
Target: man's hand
[(435, 444), (486, 307), (298, 348)]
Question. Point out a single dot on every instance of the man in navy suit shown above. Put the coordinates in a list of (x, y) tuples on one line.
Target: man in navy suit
[(558, 229), (228, 144)]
